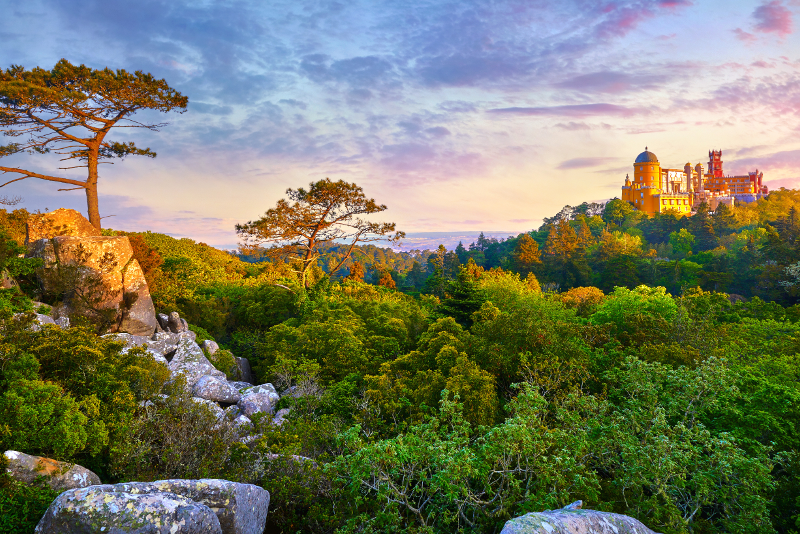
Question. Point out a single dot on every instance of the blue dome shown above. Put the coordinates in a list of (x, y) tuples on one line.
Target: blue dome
[(646, 157)]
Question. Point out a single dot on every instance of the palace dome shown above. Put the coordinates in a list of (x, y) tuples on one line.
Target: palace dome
[(646, 157)]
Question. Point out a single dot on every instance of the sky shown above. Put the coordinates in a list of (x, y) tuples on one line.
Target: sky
[(461, 116)]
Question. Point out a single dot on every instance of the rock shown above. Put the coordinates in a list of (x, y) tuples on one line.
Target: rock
[(211, 347), (190, 362), (245, 373), (164, 342), (214, 389), (240, 385), (252, 403), (139, 315), (163, 321), (108, 509), (280, 416), (102, 270), (63, 322), (60, 476), (232, 412), (263, 388), (40, 320), (574, 521), (175, 324), (164, 506), (56, 223), (243, 425), (212, 406)]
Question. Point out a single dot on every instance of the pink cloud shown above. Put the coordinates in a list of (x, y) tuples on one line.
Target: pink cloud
[(744, 36), (773, 17)]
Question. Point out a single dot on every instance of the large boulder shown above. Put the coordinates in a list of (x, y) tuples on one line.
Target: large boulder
[(59, 222), (108, 510), (101, 275), (572, 520), (190, 362), (140, 314), (162, 506), (214, 389), (253, 403), (60, 476)]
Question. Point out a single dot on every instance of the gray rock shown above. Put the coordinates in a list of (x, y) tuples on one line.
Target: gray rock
[(63, 322), (245, 373), (163, 321), (280, 416), (232, 412), (130, 340), (175, 324), (262, 388), (240, 385), (240, 508), (574, 521), (40, 320), (109, 509), (211, 347), (212, 406), (188, 334), (190, 362), (252, 403), (214, 389), (60, 476), (163, 342), (243, 425)]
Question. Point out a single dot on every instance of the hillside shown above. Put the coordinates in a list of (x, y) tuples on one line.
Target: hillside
[(468, 394)]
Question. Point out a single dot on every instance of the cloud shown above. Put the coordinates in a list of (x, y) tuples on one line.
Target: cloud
[(574, 110), (612, 82), (784, 159), (744, 36), (773, 17), (582, 163)]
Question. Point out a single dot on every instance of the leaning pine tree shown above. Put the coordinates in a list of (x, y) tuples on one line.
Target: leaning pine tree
[(300, 231), (70, 110)]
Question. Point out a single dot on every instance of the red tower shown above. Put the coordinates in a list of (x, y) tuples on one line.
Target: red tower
[(715, 163)]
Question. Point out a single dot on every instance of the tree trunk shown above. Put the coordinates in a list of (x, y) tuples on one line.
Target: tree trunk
[(91, 191)]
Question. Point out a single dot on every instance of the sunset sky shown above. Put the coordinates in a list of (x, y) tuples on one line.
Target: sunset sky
[(460, 116)]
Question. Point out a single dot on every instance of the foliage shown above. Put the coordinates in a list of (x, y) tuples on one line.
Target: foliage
[(325, 213), (21, 506), (177, 437)]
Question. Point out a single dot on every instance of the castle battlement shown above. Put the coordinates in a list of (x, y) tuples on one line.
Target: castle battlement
[(655, 189)]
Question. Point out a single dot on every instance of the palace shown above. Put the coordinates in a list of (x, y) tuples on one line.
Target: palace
[(655, 189)]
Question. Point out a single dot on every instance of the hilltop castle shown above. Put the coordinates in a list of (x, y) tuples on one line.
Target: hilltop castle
[(655, 189)]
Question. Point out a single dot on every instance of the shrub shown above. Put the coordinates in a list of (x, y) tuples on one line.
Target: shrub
[(21, 506)]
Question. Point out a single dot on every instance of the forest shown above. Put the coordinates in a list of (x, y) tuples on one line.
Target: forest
[(647, 366)]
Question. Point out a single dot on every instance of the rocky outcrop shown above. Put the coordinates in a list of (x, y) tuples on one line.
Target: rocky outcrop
[(97, 274), (60, 476), (166, 506), (56, 223), (572, 520), (190, 362)]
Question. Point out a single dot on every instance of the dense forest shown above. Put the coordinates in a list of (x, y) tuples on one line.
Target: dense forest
[(647, 366)]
